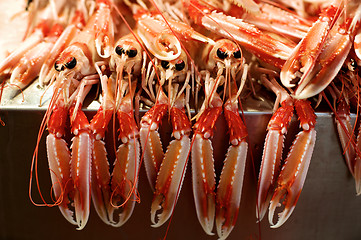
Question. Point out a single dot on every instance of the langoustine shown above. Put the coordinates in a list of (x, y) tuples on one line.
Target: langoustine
[(276, 59)]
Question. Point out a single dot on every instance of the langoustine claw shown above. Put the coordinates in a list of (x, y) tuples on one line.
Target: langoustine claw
[(156, 35), (229, 189), (150, 139), (59, 159), (101, 191), (103, 28), (303, 57), (293, 174), (289, 182), (172, 169), (319, 57), (70, 174), (118, 190), (272, 154), (80, 167), (126, 166), (203, 176), (100, 171)]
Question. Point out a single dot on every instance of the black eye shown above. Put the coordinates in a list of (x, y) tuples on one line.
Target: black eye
[(132, 53), (58, 67), (180, 65), (165, 64), (119, 50), (237, 54), (71, 63), (221, 54)]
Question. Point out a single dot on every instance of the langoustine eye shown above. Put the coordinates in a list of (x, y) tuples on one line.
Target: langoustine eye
[(58, 67), (132, 53), (221, 53), (71, 63), (237, 54), (179, 66), (165, 64), (119, 50)]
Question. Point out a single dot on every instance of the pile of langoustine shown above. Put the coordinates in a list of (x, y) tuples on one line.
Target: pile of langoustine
[(171, 56)]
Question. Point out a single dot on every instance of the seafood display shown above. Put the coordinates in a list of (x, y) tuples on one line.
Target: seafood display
[(186, 64)]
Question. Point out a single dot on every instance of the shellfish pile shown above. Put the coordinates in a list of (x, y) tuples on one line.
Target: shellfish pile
[(186, 62)]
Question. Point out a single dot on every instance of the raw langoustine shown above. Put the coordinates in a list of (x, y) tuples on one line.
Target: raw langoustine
[(190, 60)]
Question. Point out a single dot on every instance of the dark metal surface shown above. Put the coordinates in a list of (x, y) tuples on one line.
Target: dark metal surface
[(327, 207)]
